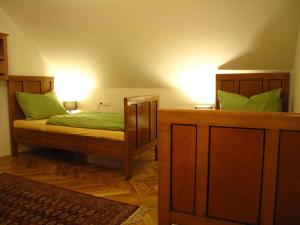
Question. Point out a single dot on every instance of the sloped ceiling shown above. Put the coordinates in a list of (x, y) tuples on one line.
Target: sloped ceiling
[(151, 43)]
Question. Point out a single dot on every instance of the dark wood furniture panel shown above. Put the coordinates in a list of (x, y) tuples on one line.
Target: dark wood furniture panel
[(288, 188), (236, 161), (143, 123), (249, 84), (153, 121), (183, 167), (235, 174), (138, 112), (3, 57)]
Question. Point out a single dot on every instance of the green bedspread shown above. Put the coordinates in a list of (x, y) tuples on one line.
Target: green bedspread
[(93, 120)]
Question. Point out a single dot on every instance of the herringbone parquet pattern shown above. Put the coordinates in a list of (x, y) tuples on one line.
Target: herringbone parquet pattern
[(59, 168)]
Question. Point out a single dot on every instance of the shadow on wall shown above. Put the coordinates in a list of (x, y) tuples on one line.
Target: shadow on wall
[(135, 77), (271, 49)]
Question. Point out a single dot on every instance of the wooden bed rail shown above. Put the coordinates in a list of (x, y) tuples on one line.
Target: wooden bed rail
[(225, 168)]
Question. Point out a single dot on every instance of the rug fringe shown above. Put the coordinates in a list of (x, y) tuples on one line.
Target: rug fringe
[(136, 216)]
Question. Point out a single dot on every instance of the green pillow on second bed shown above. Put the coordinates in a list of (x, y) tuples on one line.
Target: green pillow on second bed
[(266, 102), (40, 106)]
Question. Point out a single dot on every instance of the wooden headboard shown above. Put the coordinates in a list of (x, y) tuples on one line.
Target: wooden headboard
[(29, 84), (254, 83)]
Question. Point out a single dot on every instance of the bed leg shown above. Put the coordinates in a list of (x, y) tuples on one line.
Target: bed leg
[(156, 152), (127, 168), (80, 157), (14, 148)]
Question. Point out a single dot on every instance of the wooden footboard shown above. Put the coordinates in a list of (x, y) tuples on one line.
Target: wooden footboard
[(220, 167), (140, 126)]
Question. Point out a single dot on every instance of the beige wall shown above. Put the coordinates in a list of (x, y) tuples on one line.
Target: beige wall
[(296, 101), (24, 59)]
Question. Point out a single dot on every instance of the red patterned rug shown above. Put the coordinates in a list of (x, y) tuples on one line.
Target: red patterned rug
[(26, 202)]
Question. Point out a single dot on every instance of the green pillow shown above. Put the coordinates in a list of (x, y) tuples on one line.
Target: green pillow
[(266, 102), (40, 106)]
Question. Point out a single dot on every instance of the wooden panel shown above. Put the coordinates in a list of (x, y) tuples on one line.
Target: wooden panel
[(153, 121), (131, 129), (202, 169), (235, 174), (70, 142), (184, 146), (274, 84), (3, 57), (46, 86), (33, 87), (143, 123), (250, 87), (285, 95), (228, 85), (15, 111), (288, 187), (2, 68), (164, 173), (269, 177)]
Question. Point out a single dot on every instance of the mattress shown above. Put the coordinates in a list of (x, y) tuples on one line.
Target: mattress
[(41, 125)]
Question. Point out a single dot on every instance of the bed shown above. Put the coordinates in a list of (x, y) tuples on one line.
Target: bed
[(230, 167), (140, 133)]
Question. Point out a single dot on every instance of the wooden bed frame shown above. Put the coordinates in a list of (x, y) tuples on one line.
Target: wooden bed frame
[(229, 168), (140, 126)]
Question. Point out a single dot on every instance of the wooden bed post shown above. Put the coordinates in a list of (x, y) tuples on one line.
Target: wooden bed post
[(127, 164), (14, 148), (128, 140)]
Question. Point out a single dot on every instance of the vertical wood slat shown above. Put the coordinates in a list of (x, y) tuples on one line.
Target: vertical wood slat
[(184, 144), (15, 110), (153, 121), (143, 123), (288, 181), (218, 87), (269, 177), (265, 85), (202, 169), (285, 95), (235, 174), (131, 126), (4, 57), (274, 84), (236, 86), (164, 173)]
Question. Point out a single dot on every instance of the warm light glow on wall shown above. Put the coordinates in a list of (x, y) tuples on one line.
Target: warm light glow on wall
[(197, 82), (72, 85)]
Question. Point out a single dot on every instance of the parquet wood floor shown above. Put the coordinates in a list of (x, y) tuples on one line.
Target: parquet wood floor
[(60, 169)]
